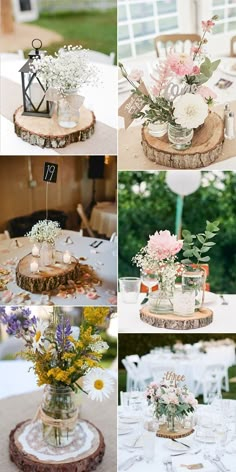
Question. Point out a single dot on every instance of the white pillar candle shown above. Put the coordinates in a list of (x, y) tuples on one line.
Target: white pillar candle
[(34, 267), (66, 257), (35, 250)]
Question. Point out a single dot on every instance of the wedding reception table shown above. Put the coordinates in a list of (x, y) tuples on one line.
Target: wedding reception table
[(165, 449), (104, 218), (101, 99), (103, 260), (130, 149), (224, 320), (21, 407)]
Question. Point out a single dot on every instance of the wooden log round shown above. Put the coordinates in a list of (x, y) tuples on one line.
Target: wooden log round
[(82, 462), (48, 278), (180, 432), (200, 319), (46, 132), (206, 146)]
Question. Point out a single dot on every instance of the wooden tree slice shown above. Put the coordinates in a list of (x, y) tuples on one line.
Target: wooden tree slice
[(46, 133), (48, 278), (80, 462), (200, 319), (206, 146), (181, 432)]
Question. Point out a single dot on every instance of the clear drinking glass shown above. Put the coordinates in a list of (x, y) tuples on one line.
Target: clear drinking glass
[(149, 440), (149, 278), (130, 289)]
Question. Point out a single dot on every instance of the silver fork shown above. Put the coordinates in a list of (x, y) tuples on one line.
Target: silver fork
[(218, 459)]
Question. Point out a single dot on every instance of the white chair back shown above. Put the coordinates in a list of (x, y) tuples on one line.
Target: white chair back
[(114, 238), (84, 219)]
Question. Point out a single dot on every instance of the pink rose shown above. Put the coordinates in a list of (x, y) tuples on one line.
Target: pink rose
[(196, 70), (182, 64), (163, 245), (207, 26), (136, 75)]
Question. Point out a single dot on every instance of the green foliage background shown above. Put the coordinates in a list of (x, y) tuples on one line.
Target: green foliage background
[(153, 208)]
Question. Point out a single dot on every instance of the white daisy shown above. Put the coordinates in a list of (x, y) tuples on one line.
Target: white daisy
[(98, 384), (38, 339), (98, 345), (190, 110)]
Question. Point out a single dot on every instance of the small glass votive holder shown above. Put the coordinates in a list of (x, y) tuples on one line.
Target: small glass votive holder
[(130, 289), (183, 302)]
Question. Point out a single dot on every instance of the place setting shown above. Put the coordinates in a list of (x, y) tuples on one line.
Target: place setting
[(169, 417)]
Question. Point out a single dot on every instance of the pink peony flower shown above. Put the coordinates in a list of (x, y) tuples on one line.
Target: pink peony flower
[(136, 75), (163, 245), (181, 64), (207, 26)]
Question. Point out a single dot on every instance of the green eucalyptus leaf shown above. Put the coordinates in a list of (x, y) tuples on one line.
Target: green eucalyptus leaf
[(210, 244), (204, 259), (205, 249), (210, 235), (200, 238)]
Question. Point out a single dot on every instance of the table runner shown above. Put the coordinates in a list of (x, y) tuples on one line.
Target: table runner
[(18, 408), (131, 155), (11, 99)]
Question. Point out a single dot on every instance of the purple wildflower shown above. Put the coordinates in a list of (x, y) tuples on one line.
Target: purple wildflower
[(62, 332), (18, 321)]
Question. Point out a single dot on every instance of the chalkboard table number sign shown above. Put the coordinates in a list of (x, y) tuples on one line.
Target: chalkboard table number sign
[(50, 172)]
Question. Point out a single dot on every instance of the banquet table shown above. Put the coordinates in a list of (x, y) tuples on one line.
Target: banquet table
[(224, 320), (130, 140), (102, 99), (103, 260), (166, 449), (15, 409), (104, 218)]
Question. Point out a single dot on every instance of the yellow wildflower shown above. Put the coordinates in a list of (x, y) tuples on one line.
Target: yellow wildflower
[(95, 315)]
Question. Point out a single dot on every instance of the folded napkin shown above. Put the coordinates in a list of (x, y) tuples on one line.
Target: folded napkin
[(194, 462)]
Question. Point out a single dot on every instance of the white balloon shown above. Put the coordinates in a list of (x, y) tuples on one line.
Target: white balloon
[(183, 182)]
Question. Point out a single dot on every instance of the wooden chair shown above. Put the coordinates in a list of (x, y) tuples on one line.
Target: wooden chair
[(181, 42), (85, 221), (233, 47), (4, 235)]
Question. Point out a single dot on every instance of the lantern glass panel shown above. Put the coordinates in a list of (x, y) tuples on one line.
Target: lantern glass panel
[(34, 94)]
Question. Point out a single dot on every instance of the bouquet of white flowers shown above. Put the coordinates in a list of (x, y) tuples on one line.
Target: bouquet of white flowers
[(45, 230)]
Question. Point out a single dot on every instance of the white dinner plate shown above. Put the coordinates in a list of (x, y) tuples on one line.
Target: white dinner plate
[(228, 66), (129, 420), (178, 447)]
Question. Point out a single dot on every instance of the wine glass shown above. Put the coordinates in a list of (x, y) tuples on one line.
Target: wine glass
[(149, 278)]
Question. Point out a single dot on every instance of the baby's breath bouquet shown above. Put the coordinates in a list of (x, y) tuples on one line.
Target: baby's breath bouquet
[(44, 231), (61, 356), (69, 69)]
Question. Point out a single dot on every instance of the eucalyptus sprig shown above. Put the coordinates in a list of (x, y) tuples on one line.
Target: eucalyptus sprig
[(196, 245)]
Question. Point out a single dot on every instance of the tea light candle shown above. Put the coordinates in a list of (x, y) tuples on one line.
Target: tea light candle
[(66, 257), (34, 266), (35, 250)]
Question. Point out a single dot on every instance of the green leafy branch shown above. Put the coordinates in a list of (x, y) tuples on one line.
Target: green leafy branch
[(195, 246)]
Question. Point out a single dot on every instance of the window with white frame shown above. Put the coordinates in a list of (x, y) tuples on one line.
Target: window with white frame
[(140, 21)]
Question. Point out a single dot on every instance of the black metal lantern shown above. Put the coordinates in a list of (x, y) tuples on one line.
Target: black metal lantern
[(34, 101)]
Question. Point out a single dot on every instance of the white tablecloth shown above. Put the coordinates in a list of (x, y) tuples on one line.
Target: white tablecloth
[(104, 218), (101, 99), (16, 378), (163, 448), (103, 260), (224, 320)]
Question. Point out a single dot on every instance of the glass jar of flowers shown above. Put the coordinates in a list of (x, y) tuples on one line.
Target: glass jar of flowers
[(159, 256), (64, 75), (66, 360), (177, 101), (170, 401), (45, 233), (195, 248)]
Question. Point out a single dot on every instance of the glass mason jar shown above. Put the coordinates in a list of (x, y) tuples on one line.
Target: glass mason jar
[(157, 129), (180, 138), (59, 415), (68, 109), (162, 300), (47, 254), (195, 280), (171, 423)]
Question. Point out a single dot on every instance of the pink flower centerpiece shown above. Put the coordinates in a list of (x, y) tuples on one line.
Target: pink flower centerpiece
[(163, 245), (170, 399)]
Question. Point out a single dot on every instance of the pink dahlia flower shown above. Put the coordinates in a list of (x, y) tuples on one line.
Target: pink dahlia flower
[(163, 245), (182, 64)]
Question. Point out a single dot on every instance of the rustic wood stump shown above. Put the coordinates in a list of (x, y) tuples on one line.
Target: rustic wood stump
[(48, 278), (206, 146), (181, 432), (46, 133), (201, 318), (30, 462)]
